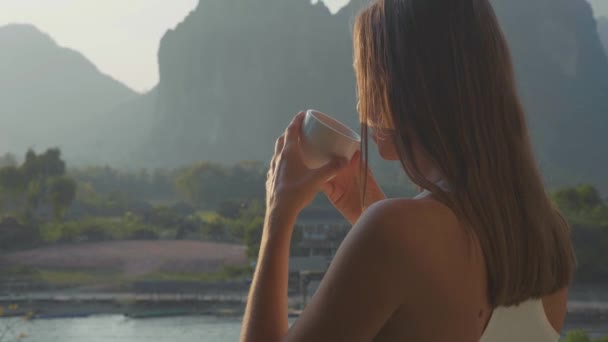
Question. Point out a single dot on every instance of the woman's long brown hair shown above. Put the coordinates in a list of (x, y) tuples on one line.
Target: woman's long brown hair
[(440, 72)]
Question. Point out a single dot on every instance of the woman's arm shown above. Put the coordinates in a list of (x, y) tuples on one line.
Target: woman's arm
[(364, 284), (361, 290), (290, 186), (266, 312)]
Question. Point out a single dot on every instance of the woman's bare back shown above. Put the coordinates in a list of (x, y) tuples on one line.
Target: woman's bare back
[(460, 311)]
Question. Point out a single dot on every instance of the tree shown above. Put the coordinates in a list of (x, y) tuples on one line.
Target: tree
[(214, 231), (584, 197), (230, 209), (589, 196), (45, 165), (202, 184), (34, 195), (12, 184), (253, 237), (40, 181), (62, 191), (163, 216), (11, 180), (253, 216)]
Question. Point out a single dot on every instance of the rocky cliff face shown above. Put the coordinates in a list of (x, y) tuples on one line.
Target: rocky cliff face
[(234, 73), (562, 75)]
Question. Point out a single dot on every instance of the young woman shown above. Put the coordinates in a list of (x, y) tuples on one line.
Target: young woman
[(481, 254)]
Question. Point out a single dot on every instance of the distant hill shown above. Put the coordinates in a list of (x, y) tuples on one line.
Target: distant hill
[(602, 27), (233, 73), (53, 96)]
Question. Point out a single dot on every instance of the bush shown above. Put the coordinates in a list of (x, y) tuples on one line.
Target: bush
[(577, 336), (581, 336), (98, 229), (19, 271)]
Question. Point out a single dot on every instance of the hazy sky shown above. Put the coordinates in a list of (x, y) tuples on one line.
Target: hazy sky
[(120, 36)]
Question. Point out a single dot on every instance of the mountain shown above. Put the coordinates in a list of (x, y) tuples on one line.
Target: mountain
[(53, 96), (233, 73), (602, 28), (562, 74)]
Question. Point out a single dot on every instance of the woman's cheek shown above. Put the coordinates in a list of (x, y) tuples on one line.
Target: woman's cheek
[(387, 150)]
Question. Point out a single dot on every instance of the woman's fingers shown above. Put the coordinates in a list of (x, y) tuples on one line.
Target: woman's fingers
[(292, 134), (331, 169), (334, 191), (328, 188), (278, 146)]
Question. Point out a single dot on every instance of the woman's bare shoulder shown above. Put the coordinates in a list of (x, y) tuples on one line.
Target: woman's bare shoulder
[(422, 218), (429, 237)]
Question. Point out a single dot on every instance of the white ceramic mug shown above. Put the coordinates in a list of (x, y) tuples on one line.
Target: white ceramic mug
[(324, 138)]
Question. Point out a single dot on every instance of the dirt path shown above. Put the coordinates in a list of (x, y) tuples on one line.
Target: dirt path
[(133, 257)]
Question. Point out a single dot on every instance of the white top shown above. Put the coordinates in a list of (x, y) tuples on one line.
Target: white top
[(526, 322)]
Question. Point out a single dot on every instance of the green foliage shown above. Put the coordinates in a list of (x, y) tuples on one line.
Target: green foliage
[(76, 277), (97, 229), (163, 216), (199, 183), (206, 185), (243, 227), (11, 180), (230, 209), (582, 204), (253, 237), (582, 197), (62, 191), (45, 165), (581, 336), (105, 180), (251, 224), (227, 273), (588, 215), (89, 202), (577, 336), (19, 271), (39, 181)]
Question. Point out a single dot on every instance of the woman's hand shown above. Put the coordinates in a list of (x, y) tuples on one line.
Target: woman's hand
[(344, 190), (290, 185)]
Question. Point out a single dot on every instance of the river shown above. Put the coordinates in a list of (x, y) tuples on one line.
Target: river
[(116, 328)]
